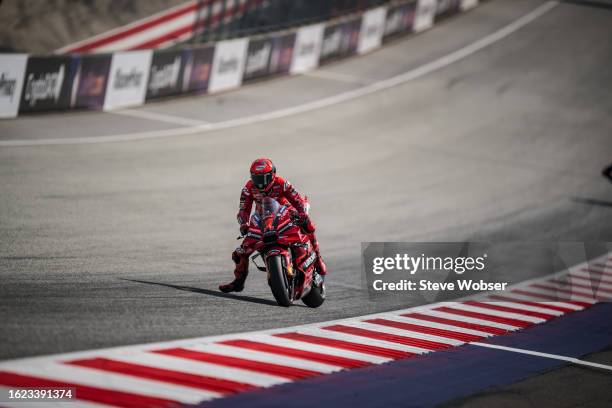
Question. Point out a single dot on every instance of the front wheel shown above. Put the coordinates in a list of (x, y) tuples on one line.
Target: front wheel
[(278, 281)]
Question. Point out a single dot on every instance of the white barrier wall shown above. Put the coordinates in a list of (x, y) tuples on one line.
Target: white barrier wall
[(307, 48), (12, 71), (426, 11), (36, 83), (372, 30), (468, 4), (129, 75), (228, 64)]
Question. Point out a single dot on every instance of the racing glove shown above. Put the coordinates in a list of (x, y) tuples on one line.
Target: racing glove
[(303, 220)]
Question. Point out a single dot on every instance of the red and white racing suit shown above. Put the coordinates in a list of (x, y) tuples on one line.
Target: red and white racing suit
[(283, 192)]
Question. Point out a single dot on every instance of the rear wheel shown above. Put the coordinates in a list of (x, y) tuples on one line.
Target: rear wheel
[(315, 297), (278, 281)]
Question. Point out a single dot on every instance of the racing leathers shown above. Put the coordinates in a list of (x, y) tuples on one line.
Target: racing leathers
[(283, 192)]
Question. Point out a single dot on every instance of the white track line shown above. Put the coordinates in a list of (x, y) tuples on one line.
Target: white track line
[(318, 104), (545, 355)]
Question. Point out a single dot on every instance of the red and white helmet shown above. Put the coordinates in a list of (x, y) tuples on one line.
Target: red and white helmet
[(263, 172)]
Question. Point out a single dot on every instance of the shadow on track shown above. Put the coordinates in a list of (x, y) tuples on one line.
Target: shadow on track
[(592, 201), (208, 292)]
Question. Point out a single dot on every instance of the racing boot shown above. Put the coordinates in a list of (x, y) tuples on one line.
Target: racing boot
[(241, 271)]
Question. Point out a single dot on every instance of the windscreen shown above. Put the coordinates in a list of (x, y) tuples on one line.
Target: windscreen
[(269, 206)]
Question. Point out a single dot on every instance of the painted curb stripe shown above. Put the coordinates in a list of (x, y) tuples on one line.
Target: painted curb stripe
[(189, 380), (268, 368), (195, 370), (526, 302), (102, 395), (492, 306), (346, 345), (287, 351), (428, 330)]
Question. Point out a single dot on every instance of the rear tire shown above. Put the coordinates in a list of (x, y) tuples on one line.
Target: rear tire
[(278, 281), (315, 297)]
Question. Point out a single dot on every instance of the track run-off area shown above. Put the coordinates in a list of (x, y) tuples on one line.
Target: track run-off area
[(116, 228)]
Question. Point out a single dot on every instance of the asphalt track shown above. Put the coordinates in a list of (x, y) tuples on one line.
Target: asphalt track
[(122, 243)]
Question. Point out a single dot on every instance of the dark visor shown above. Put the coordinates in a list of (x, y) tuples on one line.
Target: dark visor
[(261, 180)]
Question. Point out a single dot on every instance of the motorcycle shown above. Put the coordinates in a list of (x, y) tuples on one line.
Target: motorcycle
[(289, 259)]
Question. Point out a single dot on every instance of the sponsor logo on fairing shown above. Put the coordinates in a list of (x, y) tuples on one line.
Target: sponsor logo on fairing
[(258, 60), (7, 86), (309, 261), (46, 86), (131, 79), (166, 76)]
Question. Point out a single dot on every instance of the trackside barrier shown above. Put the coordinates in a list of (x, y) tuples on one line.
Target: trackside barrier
[(111, 81)]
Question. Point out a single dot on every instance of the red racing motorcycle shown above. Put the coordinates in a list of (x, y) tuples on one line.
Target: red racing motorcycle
[(289, 259)]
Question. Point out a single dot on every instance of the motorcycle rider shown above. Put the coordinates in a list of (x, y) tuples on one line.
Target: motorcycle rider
[(265, 183)]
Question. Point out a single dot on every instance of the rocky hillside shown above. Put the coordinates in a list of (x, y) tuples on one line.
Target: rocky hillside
[(42, 26)]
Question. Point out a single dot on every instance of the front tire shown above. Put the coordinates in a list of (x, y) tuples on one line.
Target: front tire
[(278, 281)]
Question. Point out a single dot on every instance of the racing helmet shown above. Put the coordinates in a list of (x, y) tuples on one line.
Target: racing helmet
[(263, 172)]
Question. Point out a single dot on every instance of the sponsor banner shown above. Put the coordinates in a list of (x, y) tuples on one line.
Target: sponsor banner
[(197, 67), (47, 83), (166, 74), (258, 58), (400, 19), (269, 56), (129, 75), (424, 19), (12, 70), (340, 40), (282, 54), (228, 64), (90, 81), (447, 7), (307, 48), (468, 4), (372, 28)]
